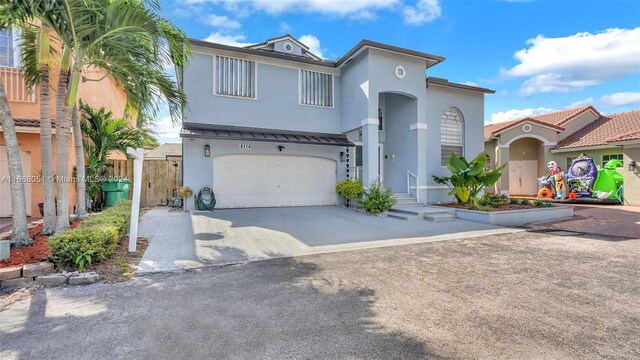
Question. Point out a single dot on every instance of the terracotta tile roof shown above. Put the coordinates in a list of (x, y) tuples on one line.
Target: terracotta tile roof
[(554, 119), (610, 128), (164, 150), (30, 122)]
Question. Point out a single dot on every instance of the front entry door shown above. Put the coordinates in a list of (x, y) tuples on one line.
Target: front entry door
[(523, 177)]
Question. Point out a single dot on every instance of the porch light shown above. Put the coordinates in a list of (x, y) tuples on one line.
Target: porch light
[(632, 166), (207, 150), (342, 156), (280, 148)]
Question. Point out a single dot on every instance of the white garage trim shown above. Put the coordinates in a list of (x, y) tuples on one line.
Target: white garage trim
[(269, 180)]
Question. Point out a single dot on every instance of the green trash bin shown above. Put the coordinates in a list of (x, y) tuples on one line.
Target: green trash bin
[(115, 190)]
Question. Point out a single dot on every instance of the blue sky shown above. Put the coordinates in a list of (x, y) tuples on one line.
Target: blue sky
[(538, 55)]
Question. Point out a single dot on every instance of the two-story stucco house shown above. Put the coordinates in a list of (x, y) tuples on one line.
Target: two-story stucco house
[(273, 124)]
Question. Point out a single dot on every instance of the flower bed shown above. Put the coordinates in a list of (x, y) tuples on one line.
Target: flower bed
[(37, 252)]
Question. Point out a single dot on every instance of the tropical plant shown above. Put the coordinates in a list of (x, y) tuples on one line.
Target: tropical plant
[(20, 234), (350, 189), (123, 40), (468, 179), (104, 135), (377, 199)]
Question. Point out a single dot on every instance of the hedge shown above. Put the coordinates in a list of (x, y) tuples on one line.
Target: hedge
[(94, 240)]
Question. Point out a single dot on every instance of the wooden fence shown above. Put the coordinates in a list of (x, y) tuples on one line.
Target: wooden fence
[(159, 180)]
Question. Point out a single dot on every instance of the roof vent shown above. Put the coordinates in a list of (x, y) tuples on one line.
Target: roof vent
[(288, 47)]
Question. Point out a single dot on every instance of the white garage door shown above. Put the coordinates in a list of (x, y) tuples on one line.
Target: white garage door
[(5, 186), (256, 180)]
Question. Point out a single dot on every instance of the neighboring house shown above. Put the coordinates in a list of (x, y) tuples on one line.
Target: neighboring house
[(25, 109), (527, 144), (274, 125)]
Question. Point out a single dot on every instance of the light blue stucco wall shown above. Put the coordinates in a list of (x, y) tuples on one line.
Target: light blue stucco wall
[(400, 146), (198, 169), (471, 104), (276, 105), (354, 83)]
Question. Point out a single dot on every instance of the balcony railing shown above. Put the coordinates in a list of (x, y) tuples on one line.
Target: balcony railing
[(15, 86)]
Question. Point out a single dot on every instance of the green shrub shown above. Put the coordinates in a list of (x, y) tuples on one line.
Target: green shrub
[(538, 203), (494, 201), (513, 201), (525, 202), (94, 240), (350, 189), (378, 199)]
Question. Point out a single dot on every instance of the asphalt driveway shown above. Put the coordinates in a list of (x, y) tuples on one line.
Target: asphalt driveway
[(181, 240), (510, 296)]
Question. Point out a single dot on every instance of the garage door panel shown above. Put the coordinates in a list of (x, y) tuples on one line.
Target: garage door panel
[(260, 180)]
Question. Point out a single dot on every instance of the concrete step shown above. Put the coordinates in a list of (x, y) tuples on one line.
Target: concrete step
[(438, 217), (402, 216)]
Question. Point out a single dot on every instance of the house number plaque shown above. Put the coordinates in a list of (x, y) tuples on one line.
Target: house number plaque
[(245, 146)]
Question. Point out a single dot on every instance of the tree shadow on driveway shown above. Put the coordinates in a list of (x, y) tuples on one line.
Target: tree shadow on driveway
[(280, 309)]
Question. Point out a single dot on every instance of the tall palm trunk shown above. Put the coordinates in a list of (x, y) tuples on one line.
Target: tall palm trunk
[(81, 186), (63, 126), (46, 154), (20, 236)]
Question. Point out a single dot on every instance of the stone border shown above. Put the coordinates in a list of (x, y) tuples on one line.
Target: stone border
[(513, 217), (42, 274)]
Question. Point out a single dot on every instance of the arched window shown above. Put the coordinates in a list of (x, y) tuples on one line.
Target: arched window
[(451, 134)]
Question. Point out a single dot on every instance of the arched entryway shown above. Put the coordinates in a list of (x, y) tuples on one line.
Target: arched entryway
[(526, 165)]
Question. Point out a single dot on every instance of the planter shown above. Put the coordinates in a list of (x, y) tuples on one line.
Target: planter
[(514, 217)]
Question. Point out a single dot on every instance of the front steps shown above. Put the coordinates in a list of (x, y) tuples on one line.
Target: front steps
[(407, 208)]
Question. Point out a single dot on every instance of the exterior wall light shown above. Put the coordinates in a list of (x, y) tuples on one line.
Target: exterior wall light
[(342, 156), (280, 148), (632, 166), (207, 150)]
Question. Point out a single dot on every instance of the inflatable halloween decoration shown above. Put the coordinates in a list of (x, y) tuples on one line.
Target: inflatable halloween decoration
[(581, 176), (608, 181), (545, 193), (555, 180)]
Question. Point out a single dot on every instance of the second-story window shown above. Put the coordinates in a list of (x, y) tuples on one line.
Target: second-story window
[(235, 77), (316, 88), (6, 48)]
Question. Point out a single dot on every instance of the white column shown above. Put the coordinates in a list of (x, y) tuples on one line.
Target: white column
[(138, 157), (370, 139)]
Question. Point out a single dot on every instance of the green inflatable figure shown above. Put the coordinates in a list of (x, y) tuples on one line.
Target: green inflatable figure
[(608, 181)]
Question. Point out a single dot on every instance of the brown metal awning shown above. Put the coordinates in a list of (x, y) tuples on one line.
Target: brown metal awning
[(201, 131)]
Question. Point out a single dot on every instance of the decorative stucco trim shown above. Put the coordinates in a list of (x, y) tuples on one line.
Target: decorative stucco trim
[(434, 187), (583, 148), (417, 126), (522, 136), (369, 121)]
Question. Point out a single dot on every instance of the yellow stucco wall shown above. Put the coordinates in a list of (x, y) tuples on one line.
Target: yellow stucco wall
[(631, 178)]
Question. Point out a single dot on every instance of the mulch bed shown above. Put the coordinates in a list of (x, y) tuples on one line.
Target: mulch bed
[(491, 209), (37, 252), (121, 264)]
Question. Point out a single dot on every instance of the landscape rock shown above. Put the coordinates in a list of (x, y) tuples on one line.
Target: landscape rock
[(37, 269), (53, 279), (83, 278), (10, 273), (19, 282)]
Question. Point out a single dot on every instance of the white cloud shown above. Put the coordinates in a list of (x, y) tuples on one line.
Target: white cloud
[(221, 22), (470, 83), (573, 62), (238, 40), (621, 99), (587, 101), (517, 113), (313, 43), (284, 27), (425, 11), (352, 8), (166, 131)]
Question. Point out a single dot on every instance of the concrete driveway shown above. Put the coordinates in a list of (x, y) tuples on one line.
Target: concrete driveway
[(510, 296), (181, 240)]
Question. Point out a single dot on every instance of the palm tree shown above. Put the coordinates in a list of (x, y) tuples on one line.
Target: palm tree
[(20, 235), (124, 40), (104, 135), (36, 51)]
